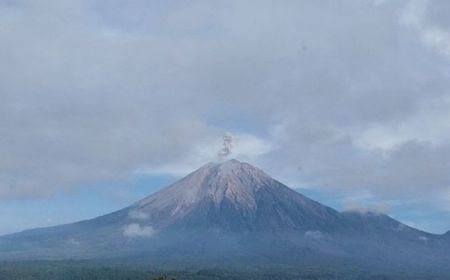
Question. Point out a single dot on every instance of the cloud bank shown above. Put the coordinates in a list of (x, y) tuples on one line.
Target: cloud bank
[(351, 96)]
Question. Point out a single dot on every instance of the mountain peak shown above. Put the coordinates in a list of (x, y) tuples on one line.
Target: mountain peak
[(230, 168), (231, 179), (231, 194), (232, 161)]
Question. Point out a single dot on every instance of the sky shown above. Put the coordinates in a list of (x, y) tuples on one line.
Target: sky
[(105, 102)]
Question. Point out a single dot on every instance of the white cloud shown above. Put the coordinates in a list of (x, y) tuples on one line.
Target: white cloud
[(136, 230)]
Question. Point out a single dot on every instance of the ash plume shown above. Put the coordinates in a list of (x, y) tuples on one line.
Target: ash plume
[(227, 146)]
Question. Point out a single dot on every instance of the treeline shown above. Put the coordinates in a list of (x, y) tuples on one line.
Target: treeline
[(62, 271)]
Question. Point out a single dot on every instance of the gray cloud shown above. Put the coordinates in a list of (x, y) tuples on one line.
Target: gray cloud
[(352, 94)]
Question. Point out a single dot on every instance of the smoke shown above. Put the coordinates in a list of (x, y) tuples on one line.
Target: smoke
[(227, 146)]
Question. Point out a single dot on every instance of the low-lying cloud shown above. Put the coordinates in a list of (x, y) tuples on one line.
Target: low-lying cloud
[(135, 230)]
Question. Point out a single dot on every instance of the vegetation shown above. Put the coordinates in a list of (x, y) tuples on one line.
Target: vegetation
[(90, 271)]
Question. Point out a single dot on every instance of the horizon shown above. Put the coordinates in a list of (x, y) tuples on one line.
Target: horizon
[(103, 103)]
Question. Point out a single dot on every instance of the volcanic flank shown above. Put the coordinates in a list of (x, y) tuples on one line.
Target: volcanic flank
[(232, 212), (232, 196)]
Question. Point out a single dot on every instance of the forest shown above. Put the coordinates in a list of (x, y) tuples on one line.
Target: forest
[(74, 270)]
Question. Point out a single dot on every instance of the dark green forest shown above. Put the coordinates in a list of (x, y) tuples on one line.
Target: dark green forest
[(89, 271)]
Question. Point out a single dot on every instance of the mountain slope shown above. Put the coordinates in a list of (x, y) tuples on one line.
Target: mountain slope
[(233, 212), (231, 196)]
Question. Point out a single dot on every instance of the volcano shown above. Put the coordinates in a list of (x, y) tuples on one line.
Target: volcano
[(234, 213), (232, 197)]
